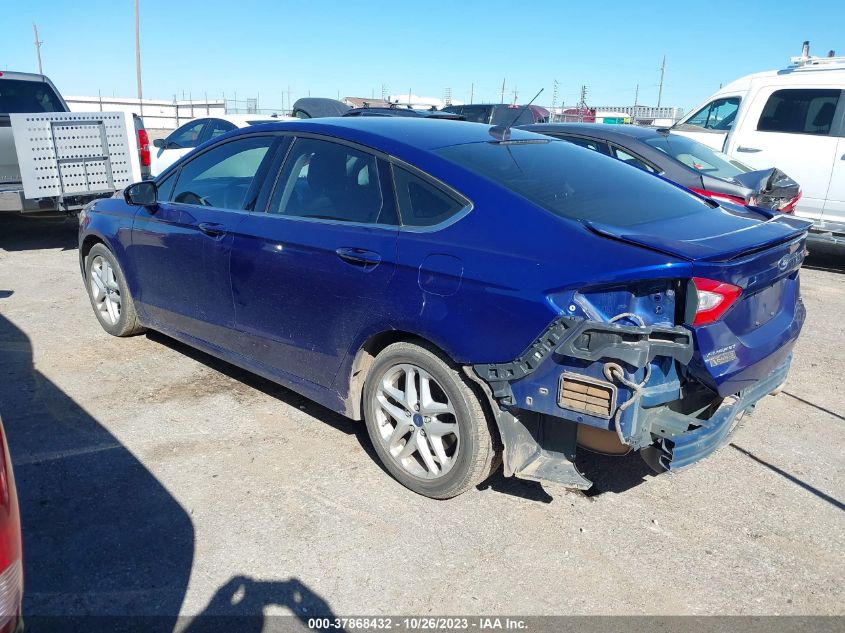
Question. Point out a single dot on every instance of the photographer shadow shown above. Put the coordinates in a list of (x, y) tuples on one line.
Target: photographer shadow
[(239, 606)]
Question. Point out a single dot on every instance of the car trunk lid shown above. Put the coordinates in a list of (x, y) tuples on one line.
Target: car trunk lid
[(757, 251)]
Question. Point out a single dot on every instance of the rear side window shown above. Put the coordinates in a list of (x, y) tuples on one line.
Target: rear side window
[(222, 176), (799, 111), (28, 96), (634, 161), (583, 186), (218, 127), (330, 181), (421, 203), (587, 143), (716, 115)]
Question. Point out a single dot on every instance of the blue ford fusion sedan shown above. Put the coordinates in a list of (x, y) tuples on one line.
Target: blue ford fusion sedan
[(477, 295)]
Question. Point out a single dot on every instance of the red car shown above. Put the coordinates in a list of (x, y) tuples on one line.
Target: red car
[(11, 553)]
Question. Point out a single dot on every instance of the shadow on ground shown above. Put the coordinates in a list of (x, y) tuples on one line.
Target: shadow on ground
[(825, 257), (239, 605), (22, 233), (101, 535)]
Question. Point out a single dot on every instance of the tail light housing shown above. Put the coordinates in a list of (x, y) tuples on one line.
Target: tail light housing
[(789, 207), (724, 197), (11, 557), (144, 145), (713, 299)]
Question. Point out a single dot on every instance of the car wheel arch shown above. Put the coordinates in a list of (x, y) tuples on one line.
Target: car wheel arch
[(365, 356)]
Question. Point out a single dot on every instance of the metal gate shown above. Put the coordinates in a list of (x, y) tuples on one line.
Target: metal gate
[(74, 153)]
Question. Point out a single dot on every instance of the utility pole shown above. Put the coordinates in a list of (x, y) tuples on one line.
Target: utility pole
[(138, 57), (502, 99), (662, 73), (515, 95), (38, 44), (582, 105), (471, 92), (636, 103)]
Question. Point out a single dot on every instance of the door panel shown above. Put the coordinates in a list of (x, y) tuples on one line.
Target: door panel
[(834, 209), (300, 299), (308, 275), (180, 254), (181, 246)]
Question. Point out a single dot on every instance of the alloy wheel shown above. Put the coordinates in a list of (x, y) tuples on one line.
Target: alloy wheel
[(105, 290), (416, 422)]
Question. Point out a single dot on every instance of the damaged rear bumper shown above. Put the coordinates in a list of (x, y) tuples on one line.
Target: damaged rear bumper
[(672, 421), (684, 440)]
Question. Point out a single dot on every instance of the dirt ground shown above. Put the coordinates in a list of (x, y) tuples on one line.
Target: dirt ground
[(157, 480)]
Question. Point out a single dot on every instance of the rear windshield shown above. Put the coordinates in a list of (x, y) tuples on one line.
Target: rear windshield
[(576, 183), (18, 95), (698, 156)]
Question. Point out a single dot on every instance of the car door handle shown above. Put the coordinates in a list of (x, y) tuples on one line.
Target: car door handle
[(359, 257), (212, 229), (748, 150)]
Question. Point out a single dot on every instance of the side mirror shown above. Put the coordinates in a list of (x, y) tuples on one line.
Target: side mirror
[(142, 194), (159, 143)]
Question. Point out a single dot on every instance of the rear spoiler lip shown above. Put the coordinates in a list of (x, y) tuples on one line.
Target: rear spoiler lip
[(696, 251)]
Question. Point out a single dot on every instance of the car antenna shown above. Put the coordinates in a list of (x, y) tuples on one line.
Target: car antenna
[(503, 133)]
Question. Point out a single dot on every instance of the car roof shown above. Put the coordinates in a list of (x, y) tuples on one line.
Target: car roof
[(395, 133), (606, 131)]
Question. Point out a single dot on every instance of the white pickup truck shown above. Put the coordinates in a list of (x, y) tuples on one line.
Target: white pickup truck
[(53, 160), (792, 119)]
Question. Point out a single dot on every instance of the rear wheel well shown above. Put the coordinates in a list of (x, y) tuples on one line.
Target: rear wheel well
[(364, 360)]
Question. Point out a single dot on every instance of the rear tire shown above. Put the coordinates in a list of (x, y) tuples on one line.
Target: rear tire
[(426, 422), (109, 293)]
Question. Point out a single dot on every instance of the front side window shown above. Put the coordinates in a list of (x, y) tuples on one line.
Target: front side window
[(799, 111), (716, 115), (222, 176), (420, 202), (330, 181), (186, 136)]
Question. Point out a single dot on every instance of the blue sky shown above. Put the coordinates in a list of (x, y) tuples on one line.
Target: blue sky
[(352, 47)]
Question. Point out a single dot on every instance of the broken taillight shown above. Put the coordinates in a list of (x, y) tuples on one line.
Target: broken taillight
[(713, 298), (144, 144), (724, 197), (789, 207)]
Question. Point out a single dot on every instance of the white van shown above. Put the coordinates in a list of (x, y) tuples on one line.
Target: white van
[(792, 119)]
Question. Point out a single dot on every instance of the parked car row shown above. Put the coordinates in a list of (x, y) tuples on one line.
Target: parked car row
[(793, 119), (462, 287)]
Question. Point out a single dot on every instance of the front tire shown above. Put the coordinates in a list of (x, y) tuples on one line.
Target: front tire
[(109, 293), (426, 422)]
